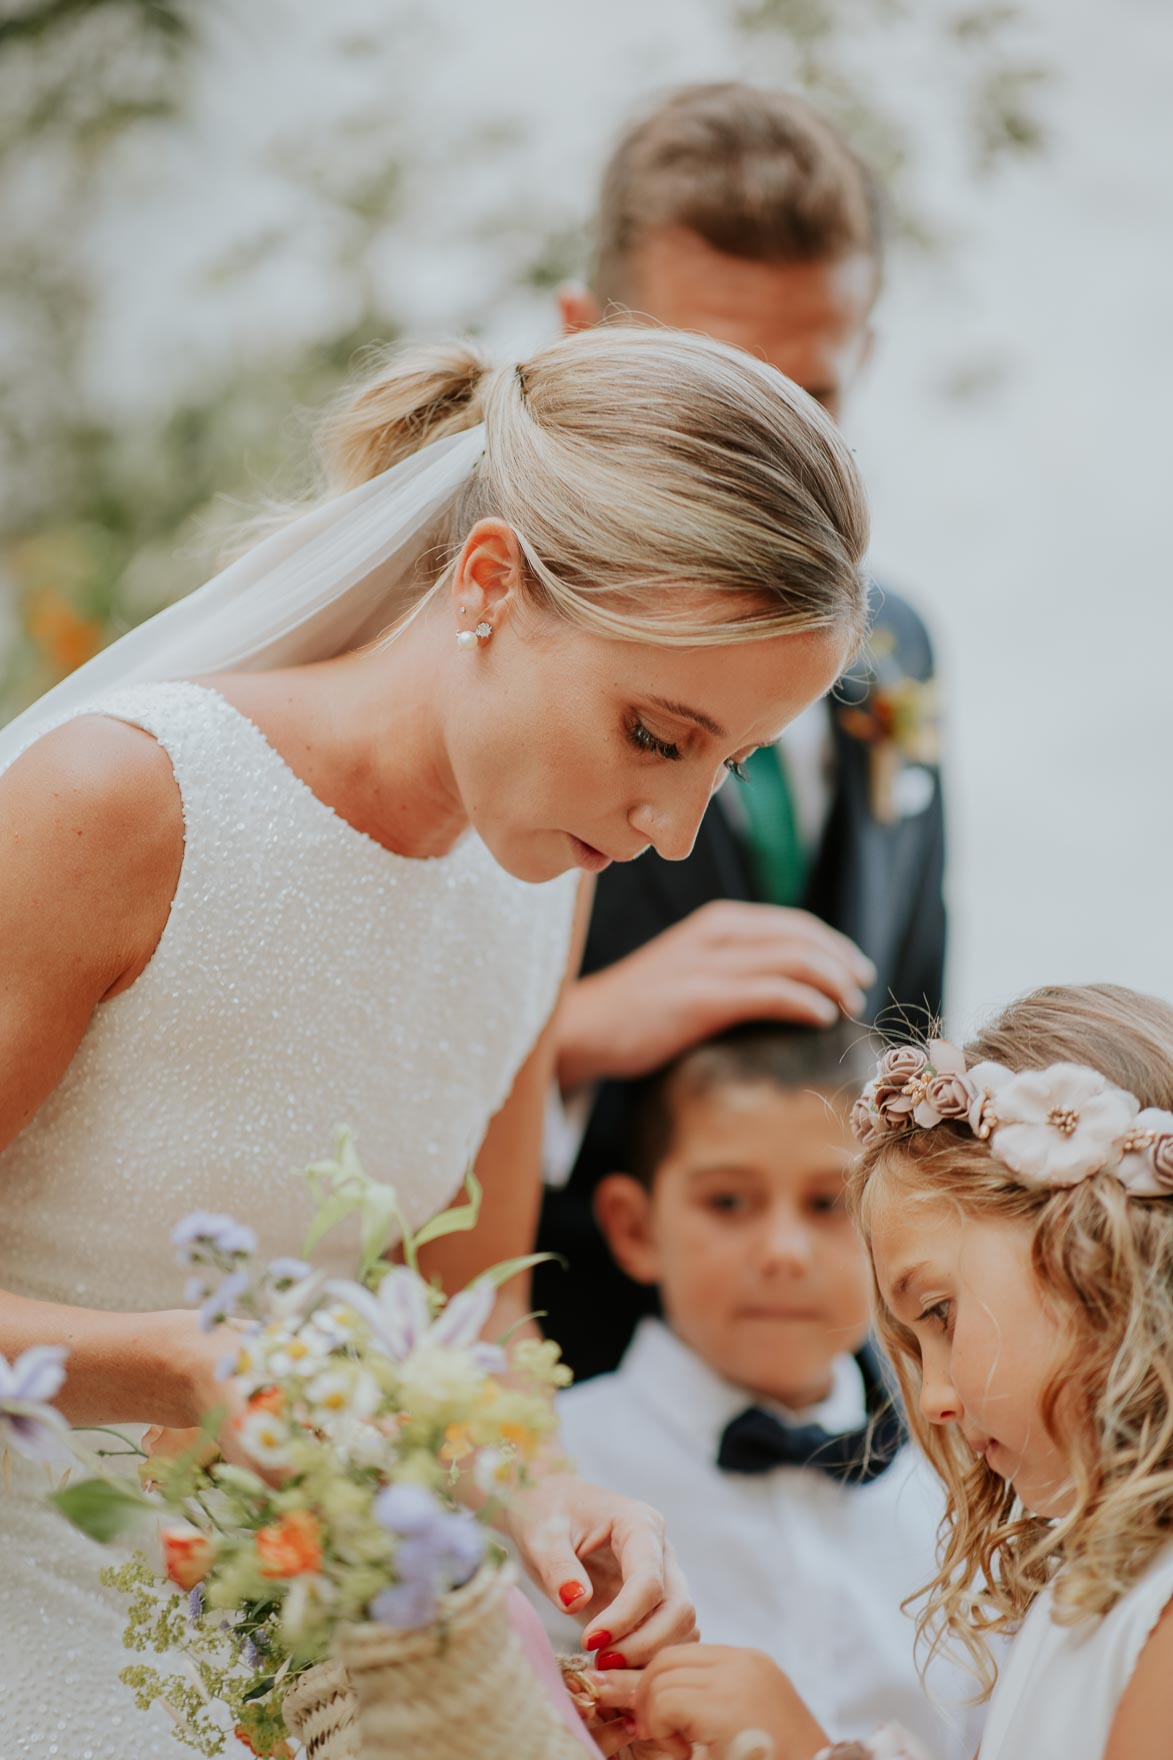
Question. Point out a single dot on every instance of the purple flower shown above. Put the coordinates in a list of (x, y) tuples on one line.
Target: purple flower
[(195, 1604), (407, 1509), (219, 1307), (34, 1428), (206, 1231), (426, 1566), (285, 1271), (406, 1606), (439, 1549)]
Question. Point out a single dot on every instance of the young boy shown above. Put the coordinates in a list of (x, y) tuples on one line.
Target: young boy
[(754, 1414)]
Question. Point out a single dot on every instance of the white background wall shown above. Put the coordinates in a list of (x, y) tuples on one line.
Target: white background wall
[(1013, 428)]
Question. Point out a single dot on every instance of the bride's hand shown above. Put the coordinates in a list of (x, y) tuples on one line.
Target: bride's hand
[(573, 1536), (194, 1357)]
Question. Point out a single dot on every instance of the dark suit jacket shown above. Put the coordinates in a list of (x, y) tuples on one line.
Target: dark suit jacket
[(879, 882)]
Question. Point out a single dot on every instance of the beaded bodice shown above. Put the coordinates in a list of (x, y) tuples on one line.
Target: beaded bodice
[(306, 978)]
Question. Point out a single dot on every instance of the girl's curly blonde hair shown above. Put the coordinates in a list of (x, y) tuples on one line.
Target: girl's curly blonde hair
[(1104, 1262)]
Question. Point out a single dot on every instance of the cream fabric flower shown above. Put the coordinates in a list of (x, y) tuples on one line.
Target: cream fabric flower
[(1056, 1126)]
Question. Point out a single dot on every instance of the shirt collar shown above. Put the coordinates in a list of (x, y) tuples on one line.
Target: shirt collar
[(697, 1402)]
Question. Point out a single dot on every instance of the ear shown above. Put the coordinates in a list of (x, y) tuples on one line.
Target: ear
[(488, 581), (623, 1211), (578, 308)]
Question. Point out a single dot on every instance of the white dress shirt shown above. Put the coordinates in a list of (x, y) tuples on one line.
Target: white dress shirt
[(789, 1562)]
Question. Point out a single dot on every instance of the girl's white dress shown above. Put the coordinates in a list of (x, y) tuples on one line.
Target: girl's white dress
[(306, 978), (1060, 1686)]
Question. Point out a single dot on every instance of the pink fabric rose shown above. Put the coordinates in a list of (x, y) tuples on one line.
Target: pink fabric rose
[(899, 1066), (864, 1124), (946, 1096)]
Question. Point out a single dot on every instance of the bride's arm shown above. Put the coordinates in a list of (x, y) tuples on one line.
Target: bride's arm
[(570, 1535), (509, 1168), (91, 842)]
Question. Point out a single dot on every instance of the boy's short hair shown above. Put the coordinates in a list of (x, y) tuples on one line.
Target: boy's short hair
[(833, 1061), (756, 173)]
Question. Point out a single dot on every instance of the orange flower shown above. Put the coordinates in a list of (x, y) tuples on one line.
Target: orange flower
[(188, 1556), (64, 636), (290, 1547), (522, 1438), (282, 1751), (267, 1399), (457, 1444)]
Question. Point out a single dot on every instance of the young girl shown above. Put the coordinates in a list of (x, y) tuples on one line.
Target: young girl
[(1017, 1202)]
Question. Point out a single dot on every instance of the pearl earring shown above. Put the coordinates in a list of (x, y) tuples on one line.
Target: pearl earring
[(469, 638)]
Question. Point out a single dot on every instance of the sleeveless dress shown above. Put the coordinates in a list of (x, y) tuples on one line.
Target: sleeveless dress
[(1059, 1688), (306, 978)]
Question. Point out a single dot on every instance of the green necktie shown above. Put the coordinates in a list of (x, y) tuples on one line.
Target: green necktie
[(775, 846)]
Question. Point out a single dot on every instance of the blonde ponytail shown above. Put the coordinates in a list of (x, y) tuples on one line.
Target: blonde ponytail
[(412, 397)]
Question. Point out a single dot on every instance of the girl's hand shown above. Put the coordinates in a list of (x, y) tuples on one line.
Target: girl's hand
[(592, 1550), (716, 1696)]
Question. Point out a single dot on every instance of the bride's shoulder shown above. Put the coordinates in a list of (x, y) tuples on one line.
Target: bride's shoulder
[(100, 793)]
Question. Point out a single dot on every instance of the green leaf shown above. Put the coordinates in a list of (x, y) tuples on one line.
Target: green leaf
[(331, 1213), (259, 1691), (380, 1219), (101, 1509), (499, 1274), (458, 1219)]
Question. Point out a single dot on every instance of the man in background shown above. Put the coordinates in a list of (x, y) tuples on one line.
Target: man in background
[(815, 887)]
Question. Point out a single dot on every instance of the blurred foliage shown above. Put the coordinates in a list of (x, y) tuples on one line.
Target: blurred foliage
[(990, 87), (105, 516)]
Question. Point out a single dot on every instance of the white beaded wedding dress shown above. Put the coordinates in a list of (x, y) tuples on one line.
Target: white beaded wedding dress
[(307, 978)]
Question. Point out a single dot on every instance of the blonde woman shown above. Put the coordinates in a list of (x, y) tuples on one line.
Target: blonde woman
[(1017, 1201), (306, 850)]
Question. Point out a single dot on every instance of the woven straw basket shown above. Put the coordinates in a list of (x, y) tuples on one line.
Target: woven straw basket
[(461, 1689)]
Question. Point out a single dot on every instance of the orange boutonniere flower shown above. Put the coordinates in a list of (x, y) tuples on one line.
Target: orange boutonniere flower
[(291, 1547)]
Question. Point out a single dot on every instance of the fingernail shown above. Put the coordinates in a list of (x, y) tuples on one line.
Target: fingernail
[(610, 1659), (570, 1592), (597, 1640)]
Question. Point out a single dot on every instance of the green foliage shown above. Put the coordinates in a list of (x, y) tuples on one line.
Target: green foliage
[(102, 1508), (106, 518)]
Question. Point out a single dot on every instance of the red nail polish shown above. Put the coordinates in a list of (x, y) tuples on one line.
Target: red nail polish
[(597, 1640), (570, 1592), (610, 1659)]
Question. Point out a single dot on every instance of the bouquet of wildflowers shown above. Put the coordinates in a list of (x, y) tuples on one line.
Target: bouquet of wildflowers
[(359, 1405)]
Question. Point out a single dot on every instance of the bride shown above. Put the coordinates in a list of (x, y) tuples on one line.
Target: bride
[(305, 851)]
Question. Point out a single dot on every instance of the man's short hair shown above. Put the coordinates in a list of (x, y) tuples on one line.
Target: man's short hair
[(833, 1062), (756, 173)]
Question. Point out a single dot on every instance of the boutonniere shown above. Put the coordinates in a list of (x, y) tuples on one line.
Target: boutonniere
[(897, 717)]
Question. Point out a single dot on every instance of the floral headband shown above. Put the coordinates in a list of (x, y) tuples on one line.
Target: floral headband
[(1051, 1127)]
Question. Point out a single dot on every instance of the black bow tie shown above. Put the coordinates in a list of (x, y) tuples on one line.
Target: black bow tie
[(755, 1441)]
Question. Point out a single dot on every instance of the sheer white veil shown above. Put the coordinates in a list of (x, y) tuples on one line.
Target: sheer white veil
[(328, 581)]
